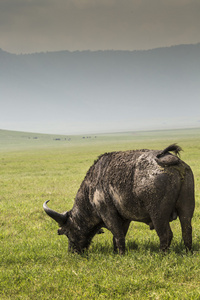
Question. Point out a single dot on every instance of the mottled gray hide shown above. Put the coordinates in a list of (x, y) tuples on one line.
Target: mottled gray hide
[(149, 186)]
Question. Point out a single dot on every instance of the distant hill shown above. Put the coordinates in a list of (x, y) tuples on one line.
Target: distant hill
[(100, 88)]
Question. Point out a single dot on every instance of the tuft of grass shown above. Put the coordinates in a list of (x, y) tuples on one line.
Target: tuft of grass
[(34, 262)]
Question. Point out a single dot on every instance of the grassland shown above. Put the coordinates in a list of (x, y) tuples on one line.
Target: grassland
[(34, 262)]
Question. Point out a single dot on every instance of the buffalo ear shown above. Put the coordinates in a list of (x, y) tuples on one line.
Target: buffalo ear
[(61, 219)]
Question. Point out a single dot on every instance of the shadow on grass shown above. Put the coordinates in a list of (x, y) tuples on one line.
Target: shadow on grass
[(107, 247), (179, 248), (148, 246)]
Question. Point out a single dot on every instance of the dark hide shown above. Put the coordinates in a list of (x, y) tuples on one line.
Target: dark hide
[(149, 186)]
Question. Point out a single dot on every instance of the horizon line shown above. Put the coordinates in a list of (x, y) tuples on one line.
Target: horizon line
[(102, 133), (100, 50)]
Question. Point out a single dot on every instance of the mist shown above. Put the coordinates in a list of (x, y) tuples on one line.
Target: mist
[(103, 91)]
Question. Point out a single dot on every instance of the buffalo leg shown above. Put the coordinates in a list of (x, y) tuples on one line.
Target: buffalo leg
[(186, 232), (166, 238), (164, 233), (185, 208), (116, 227), (118, 236), (125, 229), (112, 221), (119, 245)]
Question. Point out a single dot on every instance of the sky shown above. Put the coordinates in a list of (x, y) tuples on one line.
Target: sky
[(28, 26)]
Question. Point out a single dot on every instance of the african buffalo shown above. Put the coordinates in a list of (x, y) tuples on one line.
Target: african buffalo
[(149, 186)]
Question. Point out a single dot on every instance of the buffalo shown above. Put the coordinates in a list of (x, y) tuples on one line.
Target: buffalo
[(149, 186)]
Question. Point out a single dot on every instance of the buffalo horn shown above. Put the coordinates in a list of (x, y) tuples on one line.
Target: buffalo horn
[(61, 219)]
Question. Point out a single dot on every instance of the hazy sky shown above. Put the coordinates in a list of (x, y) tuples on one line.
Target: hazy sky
[(28, 26)]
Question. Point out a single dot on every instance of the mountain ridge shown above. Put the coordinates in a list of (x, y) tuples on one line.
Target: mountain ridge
[(94, 51)]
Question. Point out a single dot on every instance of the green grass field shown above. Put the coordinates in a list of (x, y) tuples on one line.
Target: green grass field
[(34, 262)]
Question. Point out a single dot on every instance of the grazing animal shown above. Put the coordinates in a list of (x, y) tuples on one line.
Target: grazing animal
[(149, 186)]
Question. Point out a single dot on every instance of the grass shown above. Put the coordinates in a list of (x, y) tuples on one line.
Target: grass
[(34, 262)]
